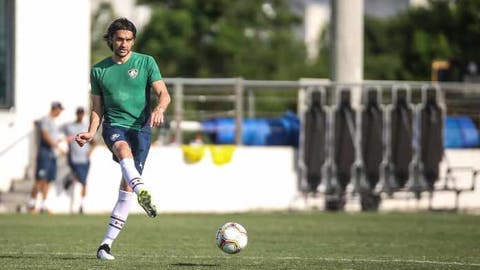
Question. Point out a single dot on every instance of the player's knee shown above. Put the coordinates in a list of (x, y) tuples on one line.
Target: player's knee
[(122, 150)]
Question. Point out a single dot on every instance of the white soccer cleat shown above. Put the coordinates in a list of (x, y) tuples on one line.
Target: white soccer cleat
[(103, 253)]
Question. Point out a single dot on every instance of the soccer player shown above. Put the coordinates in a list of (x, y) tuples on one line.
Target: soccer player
[(120, 94), (78, 157), (46, 162)]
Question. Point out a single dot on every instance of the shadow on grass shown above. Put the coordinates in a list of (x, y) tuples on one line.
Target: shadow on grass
[(194, 264), (30, 256), (72, 258)]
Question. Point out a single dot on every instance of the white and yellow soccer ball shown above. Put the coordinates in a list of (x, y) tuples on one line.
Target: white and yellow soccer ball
[(231, 237)]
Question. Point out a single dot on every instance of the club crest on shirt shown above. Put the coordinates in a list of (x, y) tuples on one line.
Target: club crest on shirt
[(133, 73)]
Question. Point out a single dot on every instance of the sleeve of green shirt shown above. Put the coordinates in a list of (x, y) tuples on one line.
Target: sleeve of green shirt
[(94, 84), (153, 71)]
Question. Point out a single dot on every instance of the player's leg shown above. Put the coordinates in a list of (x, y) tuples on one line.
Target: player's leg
[(50, 176), (32, 201), (118, 143), (40, 173), (70, 178), (83, 194), (117, 221), (44, 193), (122, 206), (116, 136), (82, 172), (131, 170), (123, 153), (140, 144), (70, 181)]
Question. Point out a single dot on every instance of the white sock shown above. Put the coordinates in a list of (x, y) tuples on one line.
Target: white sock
[(31, 203), (82, 202), (43, 205), (119, 217), (131, 174)]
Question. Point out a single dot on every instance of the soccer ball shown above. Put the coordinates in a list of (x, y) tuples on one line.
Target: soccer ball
[(231, 237)]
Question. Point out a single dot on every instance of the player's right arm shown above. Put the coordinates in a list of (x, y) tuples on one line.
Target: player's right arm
[(48, 139), (95, 118)]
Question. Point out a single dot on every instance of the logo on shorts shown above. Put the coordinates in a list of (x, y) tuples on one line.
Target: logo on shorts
[(133, 73), (114, 137)]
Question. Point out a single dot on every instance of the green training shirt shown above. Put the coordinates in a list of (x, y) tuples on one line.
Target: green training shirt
[(125, 89)]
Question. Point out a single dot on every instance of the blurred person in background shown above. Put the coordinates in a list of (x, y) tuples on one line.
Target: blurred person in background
[(197, 140), (121, 86), (49, 138), (78, 157)]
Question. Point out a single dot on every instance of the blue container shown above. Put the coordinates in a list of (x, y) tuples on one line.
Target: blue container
[(469, 132), (224, 131), (255, 131), (292, 122), (264, 131), (453, 134), (460, 132)]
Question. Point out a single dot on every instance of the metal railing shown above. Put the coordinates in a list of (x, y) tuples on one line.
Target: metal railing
[(196, 99)]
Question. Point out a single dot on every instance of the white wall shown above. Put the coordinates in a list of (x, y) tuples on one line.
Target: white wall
[(466, 158), (52, 59), (257, 178), (52, 56)]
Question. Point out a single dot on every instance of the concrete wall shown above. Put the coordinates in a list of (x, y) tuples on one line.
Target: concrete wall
[(257, 178), (52, 60)]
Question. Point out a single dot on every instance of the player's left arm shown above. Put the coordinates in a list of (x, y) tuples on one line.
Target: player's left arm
[(160, 89)]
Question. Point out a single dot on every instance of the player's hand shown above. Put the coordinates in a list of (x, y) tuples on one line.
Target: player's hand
[(70, 138), (156, 118), (62, 147), (83, 138)]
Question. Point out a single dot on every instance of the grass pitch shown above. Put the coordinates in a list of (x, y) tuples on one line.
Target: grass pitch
[(312, 240)]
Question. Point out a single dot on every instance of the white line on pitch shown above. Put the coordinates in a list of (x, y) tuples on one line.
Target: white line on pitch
[(293, 258)]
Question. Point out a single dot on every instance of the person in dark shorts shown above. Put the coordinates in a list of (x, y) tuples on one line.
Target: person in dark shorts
[(78, 157), (49, 137)]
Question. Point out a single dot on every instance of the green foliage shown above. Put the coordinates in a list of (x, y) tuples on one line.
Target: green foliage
[(100, 20), (404, 46), (222, 38)]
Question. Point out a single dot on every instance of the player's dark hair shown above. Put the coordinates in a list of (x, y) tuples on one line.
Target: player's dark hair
[(118, 24)]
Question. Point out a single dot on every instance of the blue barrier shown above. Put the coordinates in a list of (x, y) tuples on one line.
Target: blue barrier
[(460, 132), (283, 130)]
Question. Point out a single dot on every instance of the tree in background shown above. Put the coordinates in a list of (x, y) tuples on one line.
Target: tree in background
[(223, 38), (261, 40), (404, 47), (100, 20)]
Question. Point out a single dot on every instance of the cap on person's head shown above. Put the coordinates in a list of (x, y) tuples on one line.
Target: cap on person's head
[(57, 105), (80, 110)]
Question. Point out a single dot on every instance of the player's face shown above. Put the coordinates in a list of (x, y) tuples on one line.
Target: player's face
[(80, 115), (122, 42)]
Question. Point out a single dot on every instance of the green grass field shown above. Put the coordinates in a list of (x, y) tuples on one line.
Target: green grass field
[(312, 240)]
